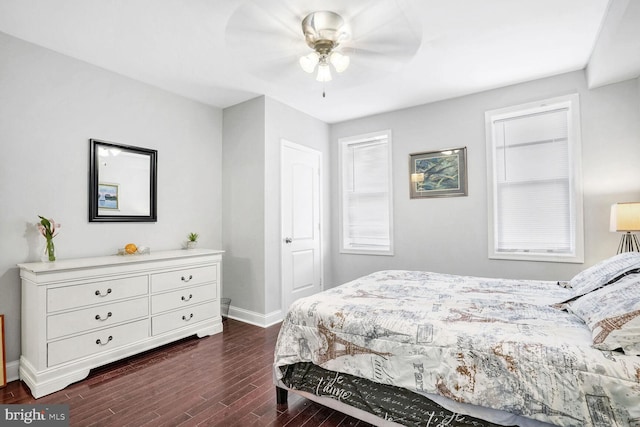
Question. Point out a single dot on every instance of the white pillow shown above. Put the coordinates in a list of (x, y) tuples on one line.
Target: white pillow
[(613, 315), (604, 272)]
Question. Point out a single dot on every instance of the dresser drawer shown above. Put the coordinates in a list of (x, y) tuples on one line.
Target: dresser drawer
[(187, 316), (182, 298), (59, 325), (184, 277), (95, 342), (96, 292)]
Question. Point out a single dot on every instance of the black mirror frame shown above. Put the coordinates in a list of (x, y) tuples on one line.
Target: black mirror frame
[(94, 216)]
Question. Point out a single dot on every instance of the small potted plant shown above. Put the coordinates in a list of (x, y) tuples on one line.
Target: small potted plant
[(192, 241)]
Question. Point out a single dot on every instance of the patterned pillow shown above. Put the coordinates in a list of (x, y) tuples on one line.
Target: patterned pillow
[(613, 315), (604, 272)]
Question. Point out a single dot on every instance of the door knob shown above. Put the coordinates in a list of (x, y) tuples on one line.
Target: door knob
[(288, 240)]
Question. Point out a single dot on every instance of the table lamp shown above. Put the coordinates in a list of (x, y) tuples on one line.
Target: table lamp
[(625, 218)]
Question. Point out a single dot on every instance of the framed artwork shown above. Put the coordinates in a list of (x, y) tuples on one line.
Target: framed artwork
[(440, 173), (3, 367), (108, 196)]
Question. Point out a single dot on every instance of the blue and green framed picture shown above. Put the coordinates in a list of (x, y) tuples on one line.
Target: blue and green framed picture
[(440, 173), (108, 196)]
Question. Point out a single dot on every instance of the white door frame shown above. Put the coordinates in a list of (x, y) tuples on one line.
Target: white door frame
[(285, 143)]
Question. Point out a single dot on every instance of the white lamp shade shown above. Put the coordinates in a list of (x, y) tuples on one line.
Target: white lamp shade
[(309, 62), (339, 61), (324, 73), (625, 217)]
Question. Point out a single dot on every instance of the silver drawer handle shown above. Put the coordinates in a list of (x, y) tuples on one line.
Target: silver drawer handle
[(109, 314), (100, 294), (186, 279), (186, 319), (99, 342), (187, 299)]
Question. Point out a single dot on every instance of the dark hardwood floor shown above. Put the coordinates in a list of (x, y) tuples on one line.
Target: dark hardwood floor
[(222, 380)]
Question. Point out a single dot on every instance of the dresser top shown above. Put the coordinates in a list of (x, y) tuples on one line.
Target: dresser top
[(110, 260)]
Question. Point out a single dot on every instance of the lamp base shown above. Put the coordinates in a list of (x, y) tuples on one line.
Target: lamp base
[(628, 243)]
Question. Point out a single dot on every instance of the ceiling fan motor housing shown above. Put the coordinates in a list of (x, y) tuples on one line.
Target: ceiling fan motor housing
[(323, 30)]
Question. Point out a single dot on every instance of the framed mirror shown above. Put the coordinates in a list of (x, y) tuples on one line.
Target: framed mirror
[(122, 183)]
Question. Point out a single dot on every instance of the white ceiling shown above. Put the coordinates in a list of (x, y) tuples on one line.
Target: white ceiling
[(198, 48)]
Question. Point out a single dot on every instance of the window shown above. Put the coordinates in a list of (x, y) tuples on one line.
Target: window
[(365, 184), (534, 181)]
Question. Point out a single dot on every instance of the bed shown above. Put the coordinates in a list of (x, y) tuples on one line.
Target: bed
[(430, 349)]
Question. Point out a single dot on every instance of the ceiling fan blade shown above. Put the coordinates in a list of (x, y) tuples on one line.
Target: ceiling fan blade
[(386, 31), (391, 51), (271, 16), (254, 45), (254, 26)]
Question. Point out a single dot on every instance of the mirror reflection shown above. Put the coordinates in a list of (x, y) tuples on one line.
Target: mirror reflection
[(123, 183)]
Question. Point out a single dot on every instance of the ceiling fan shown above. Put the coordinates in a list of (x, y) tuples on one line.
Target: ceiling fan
[(323, 31), (278, 40)]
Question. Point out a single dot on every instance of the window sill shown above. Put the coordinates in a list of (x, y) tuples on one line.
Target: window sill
[(365, 252), (539, 257)]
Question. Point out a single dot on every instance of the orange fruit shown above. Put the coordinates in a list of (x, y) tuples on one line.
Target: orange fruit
[(130, 248)]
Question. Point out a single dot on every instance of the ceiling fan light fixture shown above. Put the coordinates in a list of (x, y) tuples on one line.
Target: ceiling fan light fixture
[(308, 62), (339, 61), (324, 72), (323, 31)]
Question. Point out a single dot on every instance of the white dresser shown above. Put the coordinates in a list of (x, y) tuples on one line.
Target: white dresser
[(78, 314)]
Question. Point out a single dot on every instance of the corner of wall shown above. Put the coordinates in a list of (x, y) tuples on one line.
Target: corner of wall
[(257, 319)]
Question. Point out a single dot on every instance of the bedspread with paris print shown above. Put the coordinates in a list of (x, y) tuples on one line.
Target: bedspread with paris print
[(496, 343)]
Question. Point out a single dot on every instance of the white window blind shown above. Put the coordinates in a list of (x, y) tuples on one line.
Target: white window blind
[(534, 186), (366, 194)]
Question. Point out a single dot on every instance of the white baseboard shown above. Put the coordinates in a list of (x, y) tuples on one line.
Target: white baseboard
[(13, 371), (253, 318)]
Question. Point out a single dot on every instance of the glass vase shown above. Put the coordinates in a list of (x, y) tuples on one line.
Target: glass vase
[(50, 250)]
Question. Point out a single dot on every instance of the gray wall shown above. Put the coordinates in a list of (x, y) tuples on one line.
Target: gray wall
[(283, 122), (252, 136), (450, 234), (50, 105), (243, 170)]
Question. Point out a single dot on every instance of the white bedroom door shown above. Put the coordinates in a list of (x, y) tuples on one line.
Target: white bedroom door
[(301, 207)]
